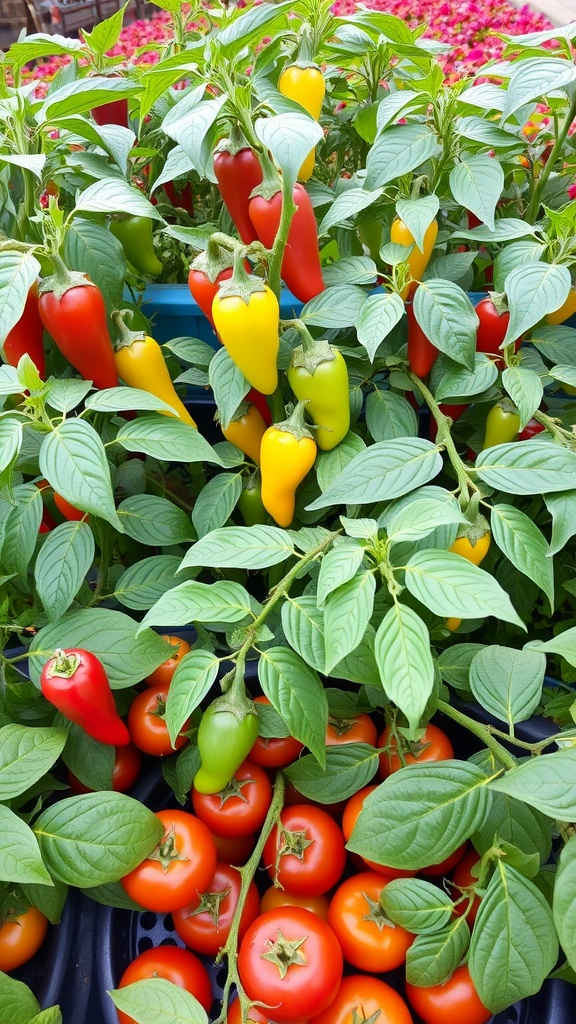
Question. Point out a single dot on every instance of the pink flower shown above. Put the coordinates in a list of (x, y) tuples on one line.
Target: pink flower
[(572, 191)]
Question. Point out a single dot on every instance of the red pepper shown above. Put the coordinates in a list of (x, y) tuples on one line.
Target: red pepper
[(301, 269), (473, 220), (75, 682), (421, 352), (69, 511), (453, 411), (27, 335), (492, 330), (532, 428), (259, 400), (74, 314), (115, 112), (238, 172), (206, 272), (180, 195)]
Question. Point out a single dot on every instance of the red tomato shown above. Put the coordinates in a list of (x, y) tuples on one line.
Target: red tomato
[(255, 1016), (455, 1002), (21, 937), (127, 763), (173, 964), (240, 808), (165, 671), (274, 898), (274, 752), (234, 849), (304, 984), (349, 818), (361, 927), (360, 729), (306, 855), (293, 796), (434, 746), (182, 865), (363, 998), (146, 723), (447, 865), (204, 924), (464, 878)]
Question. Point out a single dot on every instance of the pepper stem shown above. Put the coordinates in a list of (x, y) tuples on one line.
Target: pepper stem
[(126, 337), (62, 279), (63, 664), (241, 284), (296, 423), (213, 260)]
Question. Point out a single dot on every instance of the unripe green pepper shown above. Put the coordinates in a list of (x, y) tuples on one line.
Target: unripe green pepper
[(318, 376), (226, 735), (502, 424), (250, 504), (135, 237)]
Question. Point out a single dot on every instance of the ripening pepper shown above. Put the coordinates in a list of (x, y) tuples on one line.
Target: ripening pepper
[(318, 377), (27, 335), (301, 269), (246, 430), (75, 682), (287, 454), (140, 363), (135, 237), (73, 312), (493, 320), (226, 735), (421, 352), (246, 316), (567, 309), (502, 424), (238, 171), (418, 259), (250, 504), (206, 272), (304, 83)]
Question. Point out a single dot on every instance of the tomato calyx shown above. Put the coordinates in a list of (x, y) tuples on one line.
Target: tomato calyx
[(341, 726), (234, 789), (376, 914), (365, 1020), (210, 903), (166, 852), (285, 953), (294, 843), (160, 710)]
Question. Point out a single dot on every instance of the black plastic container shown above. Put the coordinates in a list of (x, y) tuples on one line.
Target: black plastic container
[(46, 973)]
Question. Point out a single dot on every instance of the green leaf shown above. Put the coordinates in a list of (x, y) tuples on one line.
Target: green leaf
[(448, 319), (508, 682), (96, 837), (433, 958), (404, 658), (416, 905), (62, 564), (26, 754), (303, 625), (516, 254), (152, 520), (66, 393), (52, 1015), (477, 129), (524, 545), (527, 467), (241, 547), (532, 291), (418, 518), (248, 27), (399, 150), (221, 601), (18, 1003), (20, 856), (216, 502), (10, 443), (351, 270), (377, 317), (108, 634), (81, 95), (335, 307), (124, 399), (454, 665), (92, 249), (289, 137), (228, 383), (533, 78), (113, 195), (112, 894), (329, 465), (19, 530), (339, 565), (144, 582), (564, 902), (73, 460), (105, 34), (546, 783), (157, 1001), (515, 823), (449, 585), (562, 508), (191, 682), (18, 271), (191, 126), (555, 343), (459, 382), (295, 690), (525, 389), (477, 183), (90, 761), (514, 944), (563, 643), (347, 612), (346, 205), (506, 229), (391, 107), (384, 471), (360, 665), (167, 439), (564, 374), (389, 416), (349, 767), (421, 814), (418, 215), (49, 899)]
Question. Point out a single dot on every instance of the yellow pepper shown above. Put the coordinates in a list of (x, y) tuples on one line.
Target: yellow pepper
[(419, 258), (304, 83), (473, 550), (140, 363), (567, 309), (246, 431), (246, 315), (287, 454)]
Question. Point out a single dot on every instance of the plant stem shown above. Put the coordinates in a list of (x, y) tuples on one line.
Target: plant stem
[(500, 752), (444, 437), (534, 205)]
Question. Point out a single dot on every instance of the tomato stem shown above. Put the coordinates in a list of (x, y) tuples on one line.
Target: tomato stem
[(483, 733)]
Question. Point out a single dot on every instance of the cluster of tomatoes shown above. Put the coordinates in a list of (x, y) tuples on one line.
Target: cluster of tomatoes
[(313, 941)]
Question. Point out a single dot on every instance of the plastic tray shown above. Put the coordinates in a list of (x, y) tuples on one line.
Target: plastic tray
[(46, 972)]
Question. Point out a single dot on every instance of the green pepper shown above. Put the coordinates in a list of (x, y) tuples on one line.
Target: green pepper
[(318, 376), (502, 424), (226, 736), (250, 505), (135, 237), (370, 234)]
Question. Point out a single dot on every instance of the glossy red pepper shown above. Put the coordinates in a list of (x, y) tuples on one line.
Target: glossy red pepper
[(115, 112), (206, 272), (75, 682), (492, 330), (421, 352), (238, 172), (532, 428), (180, 195), (453, 411), (27, 336), (259, 400), (74, 314), (301, 269)]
